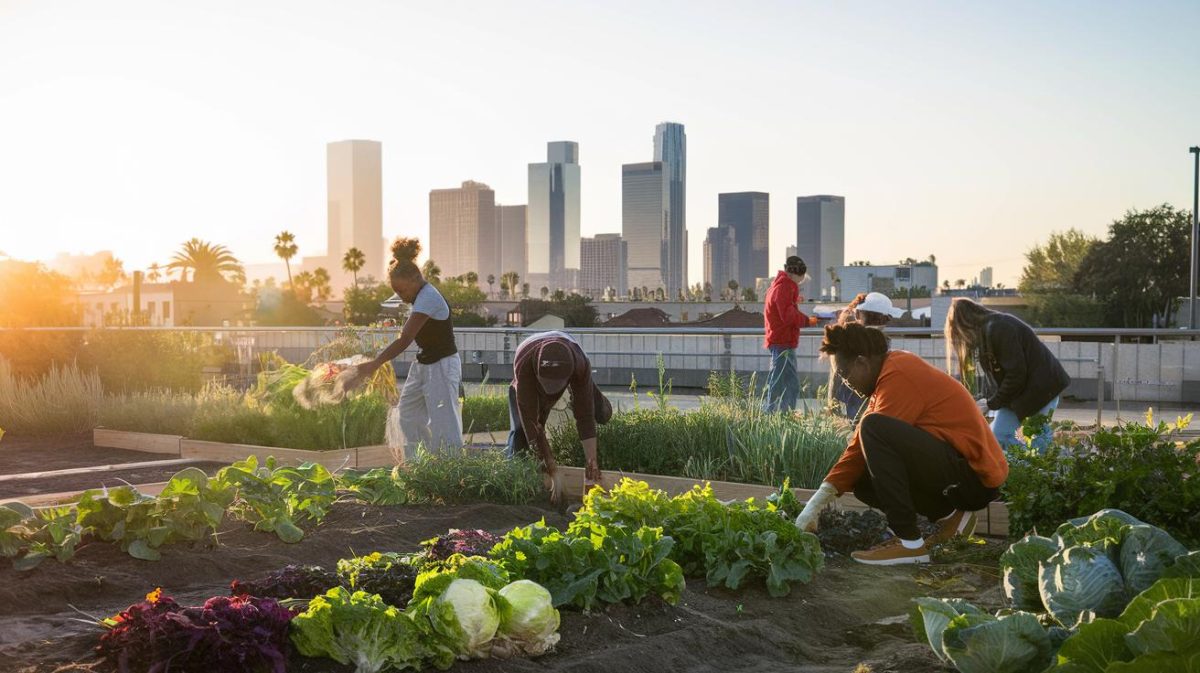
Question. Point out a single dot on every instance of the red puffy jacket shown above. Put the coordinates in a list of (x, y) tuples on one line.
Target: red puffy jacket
[(783, 317)]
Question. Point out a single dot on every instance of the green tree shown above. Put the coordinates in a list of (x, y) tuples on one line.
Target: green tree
[(1142, 269), (575, 310), (465, 300), (154, 274), (286, 249), (748, 294), (321, 288), (353, 261), (31, 296), (525, 290), (207, 262), (733, 288), (491, 281), (545, 292), (112, 273), (471, 277), (362, 302), (275, 307), (1052, 267), (513, 280), (1063, 309)]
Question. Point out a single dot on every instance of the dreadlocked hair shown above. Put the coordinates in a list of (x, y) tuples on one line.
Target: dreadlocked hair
[(404, 258), (852, 340), (847, 315)]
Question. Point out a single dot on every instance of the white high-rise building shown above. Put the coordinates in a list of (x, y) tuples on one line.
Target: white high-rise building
[(552, 218), (354, 186), (985, 276)]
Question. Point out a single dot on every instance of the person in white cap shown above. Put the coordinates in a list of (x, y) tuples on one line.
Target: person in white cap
[(873, 309)]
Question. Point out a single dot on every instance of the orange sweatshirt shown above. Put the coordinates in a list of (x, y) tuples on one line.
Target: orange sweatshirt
[(922, 395)]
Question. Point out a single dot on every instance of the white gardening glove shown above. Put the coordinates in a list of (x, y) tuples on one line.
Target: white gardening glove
[(826, 494), (983, 405)]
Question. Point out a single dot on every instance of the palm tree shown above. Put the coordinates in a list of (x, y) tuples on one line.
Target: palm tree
[(207, 262), (960, 283), (155, 274), (524, 290), (432, 272), (491, 279), (286, 248), (112, 273), (352, 261), (733, 287), (320, 285), (545, 292), (932, 258), (303, 286)]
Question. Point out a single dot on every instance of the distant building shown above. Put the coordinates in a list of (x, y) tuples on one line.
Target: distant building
[(985, 276), (354, 180), (886, 279), (643, 218), (170, 304), (552, 218), (749, 215), (510, 226), (821, 241), (721, 257), (670, 148), (603, 263), (462, 230)]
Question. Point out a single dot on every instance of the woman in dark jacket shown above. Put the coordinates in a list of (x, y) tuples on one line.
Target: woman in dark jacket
[(1028, 378)]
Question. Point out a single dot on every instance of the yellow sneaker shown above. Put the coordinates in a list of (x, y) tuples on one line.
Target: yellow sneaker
[(892, 552)]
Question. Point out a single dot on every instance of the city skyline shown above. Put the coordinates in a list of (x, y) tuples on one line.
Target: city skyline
[(221, 134)]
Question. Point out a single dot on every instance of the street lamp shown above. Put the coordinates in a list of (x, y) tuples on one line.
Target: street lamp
[(1195, 231)]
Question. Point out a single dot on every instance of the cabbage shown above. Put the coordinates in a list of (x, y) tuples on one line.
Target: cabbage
[(932, 615), (466, 615), (1145, 553), (1105, 529), (528, 621), (1079, 584), (1020, 564), (1014, 643)]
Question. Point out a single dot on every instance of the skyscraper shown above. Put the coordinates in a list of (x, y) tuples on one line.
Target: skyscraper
[(462, 230), (644, 223), (603, 262), (820, 240), (354, 187), (510, 226), (670, 148), (552, 218), (749, 215), (985, 276), (721, 260)]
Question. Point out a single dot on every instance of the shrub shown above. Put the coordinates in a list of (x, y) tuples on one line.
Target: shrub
[(64, 400), (140, 360), (162, 412), (733, 442), (1140, 469), (485, 411)]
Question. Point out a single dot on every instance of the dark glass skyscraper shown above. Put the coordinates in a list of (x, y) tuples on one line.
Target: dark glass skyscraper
[(821, 240), (749, 215), (670, 147), (643, 221)]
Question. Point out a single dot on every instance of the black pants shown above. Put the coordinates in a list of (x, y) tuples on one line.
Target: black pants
[(910, 472)]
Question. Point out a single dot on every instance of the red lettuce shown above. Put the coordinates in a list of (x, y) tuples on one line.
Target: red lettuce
[(465, 542), (238, 633)]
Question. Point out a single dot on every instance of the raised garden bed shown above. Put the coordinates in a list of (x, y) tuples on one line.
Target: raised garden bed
[(851, 614)]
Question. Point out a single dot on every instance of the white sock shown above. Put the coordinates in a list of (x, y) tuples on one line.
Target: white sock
[(912, 544)]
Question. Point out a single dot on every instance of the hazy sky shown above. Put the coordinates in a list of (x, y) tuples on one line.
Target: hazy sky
[(966, 130)]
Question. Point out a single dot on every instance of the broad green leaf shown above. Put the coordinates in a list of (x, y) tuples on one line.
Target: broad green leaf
[(288, 531), (1145, 554), (1187, 566), (1159, 662), (1020, 565), (933, 615), (1142, 606), (1173, 628), (140, 550), (1094, 647), (1015, 643)]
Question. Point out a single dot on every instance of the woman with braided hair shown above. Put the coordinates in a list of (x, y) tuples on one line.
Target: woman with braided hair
[(922, 447)]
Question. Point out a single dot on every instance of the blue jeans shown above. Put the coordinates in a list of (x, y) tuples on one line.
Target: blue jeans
[(783, 383), (1006, 424), (517, 441), (842, 393)]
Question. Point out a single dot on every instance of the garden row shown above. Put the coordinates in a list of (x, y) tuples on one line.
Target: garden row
[(470, 594)]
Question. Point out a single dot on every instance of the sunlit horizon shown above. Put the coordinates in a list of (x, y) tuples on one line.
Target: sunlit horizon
[(966, 132)]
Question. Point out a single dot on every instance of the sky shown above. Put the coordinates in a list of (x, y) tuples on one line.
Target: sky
[(970, 131)]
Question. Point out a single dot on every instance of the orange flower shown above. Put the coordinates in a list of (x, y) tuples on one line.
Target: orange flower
[(153, 596)]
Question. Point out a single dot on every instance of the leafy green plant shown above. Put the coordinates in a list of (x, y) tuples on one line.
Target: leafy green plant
[(29, 537), (390, 576), (593, 563), (161, 412), (975, 642), (485, 411), (378, 486), (1140, 469), (471, 475), (190, 508), (359, 629), (727, 544), (272, 497)]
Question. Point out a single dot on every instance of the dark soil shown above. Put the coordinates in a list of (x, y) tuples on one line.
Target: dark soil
[(77, 482), (38, 454), (850, 614)]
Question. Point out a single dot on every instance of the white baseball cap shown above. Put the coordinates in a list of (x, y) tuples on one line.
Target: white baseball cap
[(877, 302)]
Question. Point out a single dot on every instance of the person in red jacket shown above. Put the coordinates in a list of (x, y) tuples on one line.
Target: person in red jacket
[(783, 321)]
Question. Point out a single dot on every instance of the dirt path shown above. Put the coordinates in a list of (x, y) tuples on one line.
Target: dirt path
[(34, 454), (850, 614)]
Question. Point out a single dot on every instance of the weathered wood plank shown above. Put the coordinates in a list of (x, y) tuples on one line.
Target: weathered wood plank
[(136, 441)]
